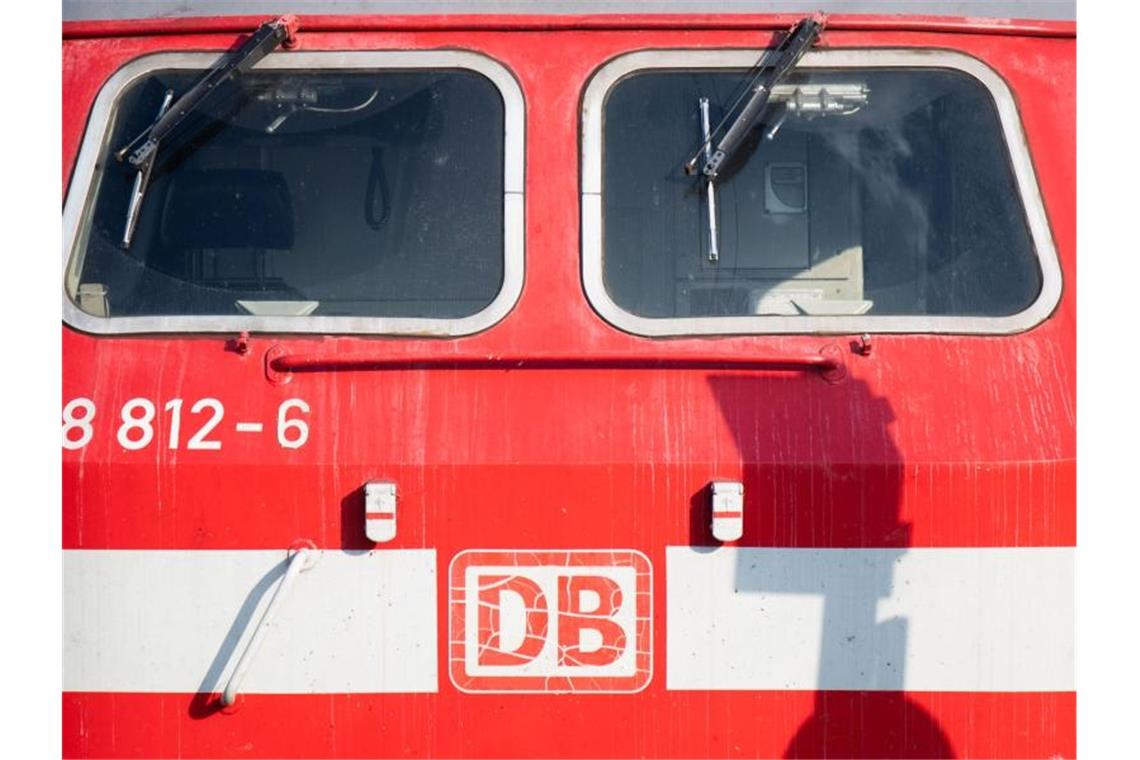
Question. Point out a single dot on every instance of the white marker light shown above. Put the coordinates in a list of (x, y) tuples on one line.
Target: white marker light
[(727, 510), (380, 511)]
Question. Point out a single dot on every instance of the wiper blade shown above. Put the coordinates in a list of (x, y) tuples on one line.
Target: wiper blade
[(142, 180), (788, 54), (261, 43)]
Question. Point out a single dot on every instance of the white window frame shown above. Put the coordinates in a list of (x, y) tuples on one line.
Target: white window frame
[(85, 185), (593, 115)]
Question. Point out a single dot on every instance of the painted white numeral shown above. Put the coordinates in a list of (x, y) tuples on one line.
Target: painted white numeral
[(297, 439), (138, 424), (133, 421), (82, 423), (174, 406), (198, 441)]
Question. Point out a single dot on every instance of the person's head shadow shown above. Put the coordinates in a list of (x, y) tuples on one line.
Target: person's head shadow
[(821, 472)]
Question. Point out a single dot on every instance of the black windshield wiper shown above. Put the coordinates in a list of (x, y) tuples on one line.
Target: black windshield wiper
[(787, 55), (173, 113)]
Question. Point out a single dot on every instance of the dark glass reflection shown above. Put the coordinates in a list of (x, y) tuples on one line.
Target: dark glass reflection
[(331, 193), (905, 206)]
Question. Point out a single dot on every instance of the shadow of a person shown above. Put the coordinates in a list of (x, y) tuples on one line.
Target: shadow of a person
[(821, 460)]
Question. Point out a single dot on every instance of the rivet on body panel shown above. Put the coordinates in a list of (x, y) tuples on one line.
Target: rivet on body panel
[(240, 344)]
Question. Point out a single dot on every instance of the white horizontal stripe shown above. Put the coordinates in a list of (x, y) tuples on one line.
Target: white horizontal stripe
[(982, 619), (177, 621)]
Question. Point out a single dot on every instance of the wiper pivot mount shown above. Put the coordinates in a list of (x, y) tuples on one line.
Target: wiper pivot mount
[(261, 43), (787, 55)]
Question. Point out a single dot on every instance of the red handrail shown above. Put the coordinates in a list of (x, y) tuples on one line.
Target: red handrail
[(828, 362)]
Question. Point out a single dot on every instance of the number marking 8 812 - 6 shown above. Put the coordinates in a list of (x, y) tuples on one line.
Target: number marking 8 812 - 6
[(136, 424)]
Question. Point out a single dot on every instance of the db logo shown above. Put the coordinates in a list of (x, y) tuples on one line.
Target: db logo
[(551, 621)]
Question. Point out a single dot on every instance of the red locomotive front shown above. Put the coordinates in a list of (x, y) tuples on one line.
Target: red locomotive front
[(502, 386)]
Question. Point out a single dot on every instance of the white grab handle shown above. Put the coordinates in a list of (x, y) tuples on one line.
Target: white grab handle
[(301, 560)]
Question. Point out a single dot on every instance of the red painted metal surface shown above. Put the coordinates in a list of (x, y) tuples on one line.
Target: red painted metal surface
[(766, 724), (928, 442), (550, 23)]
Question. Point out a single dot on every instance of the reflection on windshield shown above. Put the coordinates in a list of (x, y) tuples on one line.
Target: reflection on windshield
[(860, 191), (292, 193)]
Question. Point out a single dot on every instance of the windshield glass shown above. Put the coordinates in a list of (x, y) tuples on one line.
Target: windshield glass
[(874, 191), (296, 193)]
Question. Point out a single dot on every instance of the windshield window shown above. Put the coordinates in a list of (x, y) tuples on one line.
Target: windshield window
[(861, 192), (304, 193)]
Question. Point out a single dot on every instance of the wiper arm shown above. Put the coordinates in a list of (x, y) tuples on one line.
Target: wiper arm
[(261, 43), (788, 54)]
